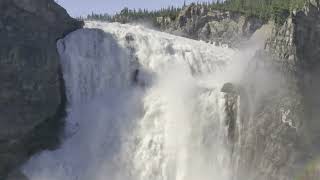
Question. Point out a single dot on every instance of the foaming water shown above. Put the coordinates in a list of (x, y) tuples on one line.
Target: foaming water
[(143, 105)]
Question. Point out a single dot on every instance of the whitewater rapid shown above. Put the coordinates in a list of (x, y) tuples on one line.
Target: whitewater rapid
[(142, 105)]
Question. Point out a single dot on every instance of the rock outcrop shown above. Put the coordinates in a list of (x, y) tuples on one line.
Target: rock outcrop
[(297, 43), (202, 23), (269, 143), (32, 91), (280, 125)]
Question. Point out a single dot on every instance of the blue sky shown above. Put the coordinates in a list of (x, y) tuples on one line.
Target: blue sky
[(84, 7)]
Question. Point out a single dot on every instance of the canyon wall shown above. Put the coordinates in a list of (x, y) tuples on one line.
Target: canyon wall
[(279, 105), (32, 100)]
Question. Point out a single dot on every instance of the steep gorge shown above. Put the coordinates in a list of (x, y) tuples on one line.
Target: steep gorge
[(269, 129)]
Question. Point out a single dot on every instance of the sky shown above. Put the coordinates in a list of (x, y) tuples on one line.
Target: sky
[(78, 8)]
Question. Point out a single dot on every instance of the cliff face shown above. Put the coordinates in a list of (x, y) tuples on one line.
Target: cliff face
[(271, 141), (296, 42), (209, 25), (279, 104), (298, 45), (31, 94)]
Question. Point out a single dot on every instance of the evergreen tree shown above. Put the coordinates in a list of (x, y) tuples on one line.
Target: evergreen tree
[(265, 9)]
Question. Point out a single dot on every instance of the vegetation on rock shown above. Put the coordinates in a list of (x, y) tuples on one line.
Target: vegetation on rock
[(130, 15), (278, 10), (266, 9)]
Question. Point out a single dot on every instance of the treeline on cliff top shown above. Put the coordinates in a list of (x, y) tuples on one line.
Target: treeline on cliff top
[(129, 15), (265, 9)]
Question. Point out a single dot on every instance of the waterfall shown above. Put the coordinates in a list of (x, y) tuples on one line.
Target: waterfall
[(143, 105)]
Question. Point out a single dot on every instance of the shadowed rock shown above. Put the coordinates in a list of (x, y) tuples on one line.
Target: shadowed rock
[(32, 96), (229, 88)]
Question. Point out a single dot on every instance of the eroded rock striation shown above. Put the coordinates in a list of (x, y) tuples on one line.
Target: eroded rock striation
[(31, 94)]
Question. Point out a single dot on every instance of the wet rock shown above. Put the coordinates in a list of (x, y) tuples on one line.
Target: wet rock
[(229, 88), (269, 141), (297, 43), (231, 111), (129, 37), (280, 125)]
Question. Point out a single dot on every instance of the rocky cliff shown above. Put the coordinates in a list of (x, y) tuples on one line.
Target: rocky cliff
[(202, 23), (297, 43), (279, 104), (32, 90)]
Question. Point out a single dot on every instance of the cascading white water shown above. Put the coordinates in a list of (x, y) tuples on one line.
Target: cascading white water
[(143, 105)]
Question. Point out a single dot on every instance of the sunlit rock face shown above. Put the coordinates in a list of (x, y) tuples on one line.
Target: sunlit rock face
[(215, 26), (31, 94), (296, 41)]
